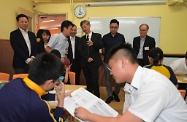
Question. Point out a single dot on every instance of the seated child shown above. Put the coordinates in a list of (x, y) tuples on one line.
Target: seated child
[(66, 66), (156, 57)]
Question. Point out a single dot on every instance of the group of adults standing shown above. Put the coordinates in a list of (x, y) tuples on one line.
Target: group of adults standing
[(82, 52)]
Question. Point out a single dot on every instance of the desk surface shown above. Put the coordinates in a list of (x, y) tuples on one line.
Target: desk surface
[(182, 78), (3, 81), (53, 104), (74, 87)]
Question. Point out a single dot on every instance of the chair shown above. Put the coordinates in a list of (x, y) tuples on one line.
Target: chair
[(19, 76), (183, 93), (4, 77), (72, 78)]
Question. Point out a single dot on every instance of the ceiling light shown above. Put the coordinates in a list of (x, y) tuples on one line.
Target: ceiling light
[(48, 21), (121, 3)]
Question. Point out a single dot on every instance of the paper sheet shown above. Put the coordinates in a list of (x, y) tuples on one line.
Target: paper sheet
[(83, 98)]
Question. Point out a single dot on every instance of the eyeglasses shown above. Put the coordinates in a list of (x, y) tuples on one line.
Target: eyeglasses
[(108, 68), (143, 30), (113, 27)]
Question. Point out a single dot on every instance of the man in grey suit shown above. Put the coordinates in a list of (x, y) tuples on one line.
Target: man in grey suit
[(142, 44), (90, 57), (24, 45)]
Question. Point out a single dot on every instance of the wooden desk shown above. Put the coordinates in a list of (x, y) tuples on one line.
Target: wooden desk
[(182, 78), (3, 81), (74, 87), (53, 104)]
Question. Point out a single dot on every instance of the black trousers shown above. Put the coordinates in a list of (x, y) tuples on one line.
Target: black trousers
[(75, 67), (21, 70), (141, 62), (91, 74)]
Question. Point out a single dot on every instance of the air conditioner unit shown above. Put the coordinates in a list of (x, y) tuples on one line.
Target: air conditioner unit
[(175, 2)]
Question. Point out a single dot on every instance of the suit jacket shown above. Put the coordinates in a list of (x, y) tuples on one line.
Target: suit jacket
[(148, 45), (93, 50), (70, 52), (21, 52)]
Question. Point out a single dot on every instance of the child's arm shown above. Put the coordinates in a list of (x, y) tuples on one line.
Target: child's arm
[(67, 68)]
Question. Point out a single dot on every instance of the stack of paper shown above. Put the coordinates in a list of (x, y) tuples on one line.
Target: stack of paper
[(85, 99)]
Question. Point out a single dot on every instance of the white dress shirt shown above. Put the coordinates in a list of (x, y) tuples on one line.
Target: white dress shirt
[(153, 98), (72, 39), (140, 54), (179, 66), (27, 40), (60, 43)]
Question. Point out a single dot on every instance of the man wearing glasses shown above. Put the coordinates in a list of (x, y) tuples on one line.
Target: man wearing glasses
[(142, 44), (109, 40)]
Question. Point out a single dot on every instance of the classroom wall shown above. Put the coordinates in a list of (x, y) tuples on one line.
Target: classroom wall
[(8, 13), (173, 19), (173, 37)]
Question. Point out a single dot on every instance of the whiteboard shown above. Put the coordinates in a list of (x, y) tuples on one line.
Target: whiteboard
[(128, 26)]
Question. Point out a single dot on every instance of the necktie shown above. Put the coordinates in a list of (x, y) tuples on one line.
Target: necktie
[(87, 38)]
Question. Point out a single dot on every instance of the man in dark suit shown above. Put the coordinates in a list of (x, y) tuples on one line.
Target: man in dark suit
[(142, 44), (24, 45), (73, 53), (90, 57)]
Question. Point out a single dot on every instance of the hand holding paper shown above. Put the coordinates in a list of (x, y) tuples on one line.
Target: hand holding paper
[(81, 113), (83, 102)]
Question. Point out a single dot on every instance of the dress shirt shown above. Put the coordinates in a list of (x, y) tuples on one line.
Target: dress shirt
[(26, 37), (89, 35), (179, 66), (60, 43), (73, 45), (28, 43), (140, 54), (153, 98)]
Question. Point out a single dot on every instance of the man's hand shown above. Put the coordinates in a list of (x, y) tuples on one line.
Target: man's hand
[(68, 94), (89, 43), (81, 113), (31, 60), (90, 59)]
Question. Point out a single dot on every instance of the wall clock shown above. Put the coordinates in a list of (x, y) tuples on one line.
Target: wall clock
[(80, 11)]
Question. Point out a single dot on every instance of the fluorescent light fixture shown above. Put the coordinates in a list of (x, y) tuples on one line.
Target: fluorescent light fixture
[(54, 28), (127, 21), (121, 3), (95, 22), (48, 21)]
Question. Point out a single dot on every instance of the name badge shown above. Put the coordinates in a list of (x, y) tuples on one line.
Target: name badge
[(146, 48)]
